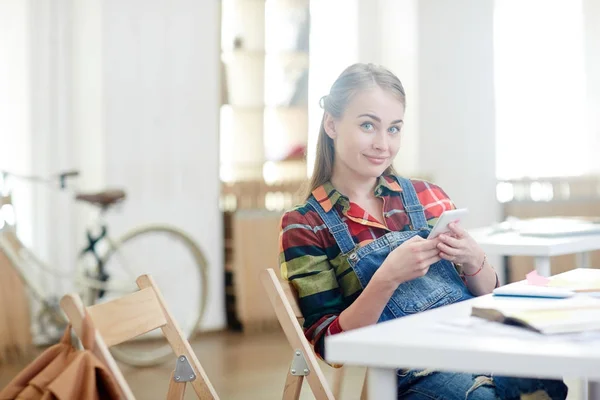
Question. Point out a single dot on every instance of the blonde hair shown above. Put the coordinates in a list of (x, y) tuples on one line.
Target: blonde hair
[(355, 78)]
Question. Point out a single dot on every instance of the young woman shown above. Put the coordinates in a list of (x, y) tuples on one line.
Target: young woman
[(356, 250)]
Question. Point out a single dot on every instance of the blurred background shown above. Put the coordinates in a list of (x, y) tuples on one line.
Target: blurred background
[(206, 113)]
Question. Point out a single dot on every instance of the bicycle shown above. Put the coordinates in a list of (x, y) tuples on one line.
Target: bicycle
[(104, 270)]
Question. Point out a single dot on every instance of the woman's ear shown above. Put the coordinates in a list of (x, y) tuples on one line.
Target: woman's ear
[(329, 125)]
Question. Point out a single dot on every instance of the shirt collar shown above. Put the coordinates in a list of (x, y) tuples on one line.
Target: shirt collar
[(328, 196)]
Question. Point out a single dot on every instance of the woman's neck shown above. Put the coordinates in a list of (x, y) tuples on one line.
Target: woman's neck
[(352, 186)]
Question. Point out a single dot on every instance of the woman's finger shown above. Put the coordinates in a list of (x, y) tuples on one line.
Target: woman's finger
[(429, 253), (432, 260), (428, 244), (447, 257), (448, 250), (450, 241), (457, 229)]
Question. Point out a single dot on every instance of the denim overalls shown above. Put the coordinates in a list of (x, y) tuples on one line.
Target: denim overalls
[(440, 286)]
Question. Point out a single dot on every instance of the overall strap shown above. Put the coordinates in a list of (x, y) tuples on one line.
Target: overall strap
[(336, 226), (412, 205)]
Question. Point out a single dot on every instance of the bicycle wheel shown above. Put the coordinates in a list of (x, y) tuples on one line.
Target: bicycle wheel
[(179, 268)]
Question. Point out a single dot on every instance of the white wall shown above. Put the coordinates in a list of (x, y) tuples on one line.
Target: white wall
[(591, 14), (127, 92), (333, 47), (456, 105), (87, 93), (456, 109), (15, 104), (160, 83), (55, 225)]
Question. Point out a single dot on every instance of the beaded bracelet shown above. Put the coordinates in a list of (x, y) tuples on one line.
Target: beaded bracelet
[(480, 268)]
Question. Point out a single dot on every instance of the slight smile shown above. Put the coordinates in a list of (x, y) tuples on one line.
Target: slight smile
[(376, 160)]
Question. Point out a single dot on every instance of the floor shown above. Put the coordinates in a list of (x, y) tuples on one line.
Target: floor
[(239, 366)]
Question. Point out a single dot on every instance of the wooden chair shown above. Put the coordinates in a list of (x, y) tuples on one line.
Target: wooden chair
[(127, 317), (284, 300)]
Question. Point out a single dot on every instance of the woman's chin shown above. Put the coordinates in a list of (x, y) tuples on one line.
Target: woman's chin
[(373, 172)]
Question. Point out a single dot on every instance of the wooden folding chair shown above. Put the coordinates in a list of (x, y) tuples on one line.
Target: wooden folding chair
[(284, 299), (127, 317)]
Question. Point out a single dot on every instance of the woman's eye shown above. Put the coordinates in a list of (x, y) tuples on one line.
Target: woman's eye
[(367, 126), (394, 130)]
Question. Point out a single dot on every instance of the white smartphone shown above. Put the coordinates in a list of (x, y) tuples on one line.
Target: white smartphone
[(441, 226)]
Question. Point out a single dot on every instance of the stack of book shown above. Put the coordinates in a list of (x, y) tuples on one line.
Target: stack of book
[(571, 305)]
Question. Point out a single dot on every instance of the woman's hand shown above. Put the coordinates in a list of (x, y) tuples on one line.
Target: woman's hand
[(408, 261), (460, 248)]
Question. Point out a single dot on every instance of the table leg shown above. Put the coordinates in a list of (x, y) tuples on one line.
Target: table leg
[(542, 265), (593, 390), (383, 384), (583, 260)]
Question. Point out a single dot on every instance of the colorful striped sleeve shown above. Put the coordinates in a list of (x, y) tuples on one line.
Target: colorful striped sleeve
[(304, 262)]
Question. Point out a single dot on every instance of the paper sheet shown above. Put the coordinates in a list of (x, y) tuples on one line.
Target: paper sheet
[(478, 326)]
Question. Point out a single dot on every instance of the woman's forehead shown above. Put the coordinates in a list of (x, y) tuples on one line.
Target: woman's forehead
[(378, 101)]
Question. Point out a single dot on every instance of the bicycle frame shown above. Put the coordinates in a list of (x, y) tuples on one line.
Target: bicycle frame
[(96, 234), (27, 264), (100, 257)]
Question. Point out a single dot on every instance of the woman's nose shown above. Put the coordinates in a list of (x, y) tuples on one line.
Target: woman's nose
[(380, 142)]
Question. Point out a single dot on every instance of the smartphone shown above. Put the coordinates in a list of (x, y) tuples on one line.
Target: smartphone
[(441, 226)]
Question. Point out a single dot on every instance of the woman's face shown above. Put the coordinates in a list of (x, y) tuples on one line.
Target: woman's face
[(367, 136)]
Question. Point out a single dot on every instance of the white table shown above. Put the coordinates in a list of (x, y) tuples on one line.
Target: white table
[(542, 248), (418, 341)]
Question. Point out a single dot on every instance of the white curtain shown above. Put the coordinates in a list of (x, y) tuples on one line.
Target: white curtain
[(133, 109), (15, 105)]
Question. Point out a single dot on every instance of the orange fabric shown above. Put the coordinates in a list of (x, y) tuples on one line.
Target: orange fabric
[(16, 342), (64, 373)]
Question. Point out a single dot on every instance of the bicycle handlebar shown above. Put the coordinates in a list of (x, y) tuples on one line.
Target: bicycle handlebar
[(67, 174), (61, 177)]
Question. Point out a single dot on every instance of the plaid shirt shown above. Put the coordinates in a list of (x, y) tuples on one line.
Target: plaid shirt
[(312, 261)]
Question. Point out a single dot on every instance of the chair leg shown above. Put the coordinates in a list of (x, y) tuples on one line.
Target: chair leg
[(365, 388), (338, 377), (293, 385), (176, 389)]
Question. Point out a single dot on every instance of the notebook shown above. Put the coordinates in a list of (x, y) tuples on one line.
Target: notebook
[(580, 281), (526, 290), (556, 317)]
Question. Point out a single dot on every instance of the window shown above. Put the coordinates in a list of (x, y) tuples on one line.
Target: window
[(541, 128)]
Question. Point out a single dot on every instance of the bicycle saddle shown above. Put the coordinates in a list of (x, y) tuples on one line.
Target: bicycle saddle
[(103, 199)]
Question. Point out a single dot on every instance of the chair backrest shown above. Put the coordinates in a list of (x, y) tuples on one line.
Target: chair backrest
[(292, 297), (129, 316), (285, 303)]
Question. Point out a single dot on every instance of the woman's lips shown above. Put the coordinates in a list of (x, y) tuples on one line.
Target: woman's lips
[(376, 160)]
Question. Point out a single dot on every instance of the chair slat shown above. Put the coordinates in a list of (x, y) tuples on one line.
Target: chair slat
[(127, 317)]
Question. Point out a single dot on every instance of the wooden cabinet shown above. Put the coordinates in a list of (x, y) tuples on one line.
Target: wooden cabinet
[(256, 247), (252, 216)]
